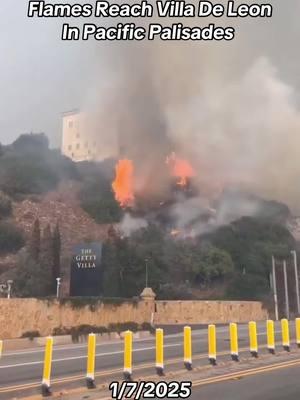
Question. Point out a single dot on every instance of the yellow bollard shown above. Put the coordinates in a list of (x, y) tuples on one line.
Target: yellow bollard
[(297, 323), (285, 331), (234, 342), (47, 367), (128, 355), (187, 338), (253, 339), (212, 345), (91, 358), (1, 348), (159, 352), (271, 336)]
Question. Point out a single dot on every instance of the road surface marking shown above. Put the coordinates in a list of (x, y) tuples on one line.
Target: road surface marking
[(249, 372), (235, 375), (112, 371), (198, 332)]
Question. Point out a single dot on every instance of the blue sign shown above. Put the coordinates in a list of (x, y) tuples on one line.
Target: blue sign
[(86, 270)]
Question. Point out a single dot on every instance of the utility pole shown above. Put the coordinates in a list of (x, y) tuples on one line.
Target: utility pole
[(275, 289), (297, 280), (286, 290)]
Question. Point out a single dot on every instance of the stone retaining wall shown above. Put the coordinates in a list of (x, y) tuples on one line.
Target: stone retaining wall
[(18, 316)]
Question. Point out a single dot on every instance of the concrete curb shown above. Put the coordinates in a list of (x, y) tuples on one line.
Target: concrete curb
[(26, 343)]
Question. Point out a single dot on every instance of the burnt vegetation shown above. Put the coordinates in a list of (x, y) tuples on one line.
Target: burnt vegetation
[(231, 261)]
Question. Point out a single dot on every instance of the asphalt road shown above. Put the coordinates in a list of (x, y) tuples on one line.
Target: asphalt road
[(24, 368), (282, 384)]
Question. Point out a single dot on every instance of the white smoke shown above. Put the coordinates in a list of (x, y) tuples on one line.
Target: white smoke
[(130, 224), (227, 107), (244, 133)]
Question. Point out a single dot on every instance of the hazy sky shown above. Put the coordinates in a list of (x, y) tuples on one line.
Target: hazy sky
[(40, 76)]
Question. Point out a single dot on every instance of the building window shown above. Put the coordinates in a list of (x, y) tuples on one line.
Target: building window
[(77, 135), (70, 147), (89, 152), (72, 155), (78, 146), (70, 124)]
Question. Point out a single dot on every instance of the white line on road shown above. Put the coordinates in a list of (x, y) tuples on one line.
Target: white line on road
[(198, 332), (82, 357), (102, 354)]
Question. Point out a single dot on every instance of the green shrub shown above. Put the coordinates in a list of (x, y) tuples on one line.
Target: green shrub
[(129, 326), (29, 167), (146, 326), (61, 331), (247, 287), (26, 175), (100, 329), (81, 302), (31, 334), (104, 211), (125, 326), (11, 238), (31, 143), (97, 197), (84, 330), (94, 302), (171, 291), (31, 278)]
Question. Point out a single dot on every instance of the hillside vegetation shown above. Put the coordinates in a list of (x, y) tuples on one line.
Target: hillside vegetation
[(232, 262)]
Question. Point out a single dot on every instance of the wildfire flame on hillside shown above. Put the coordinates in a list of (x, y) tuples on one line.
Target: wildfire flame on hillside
[(123, 183), (180, 168)]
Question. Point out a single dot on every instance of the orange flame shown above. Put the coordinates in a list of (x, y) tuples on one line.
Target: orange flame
[(123, 183), (180, 168)]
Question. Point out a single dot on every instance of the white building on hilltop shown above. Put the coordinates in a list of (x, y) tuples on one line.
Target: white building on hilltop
[(87, 138)]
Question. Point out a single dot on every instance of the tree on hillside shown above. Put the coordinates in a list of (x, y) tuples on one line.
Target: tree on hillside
[(28, 166), (35, 241), (148, 246), (112, 268), (5, 205), (210, 265), (46, 254), (247, 286), (32, 143), (11, 238), (56, 249), (251, 242), (124, 262), (96, 195), (30, 278), (22, 174)]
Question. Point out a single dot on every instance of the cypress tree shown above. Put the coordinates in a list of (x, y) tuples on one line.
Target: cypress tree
[(56, 249), (35, 241), (46, 255)]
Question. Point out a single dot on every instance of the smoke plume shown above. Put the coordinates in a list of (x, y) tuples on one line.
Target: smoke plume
[(226, 107)]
